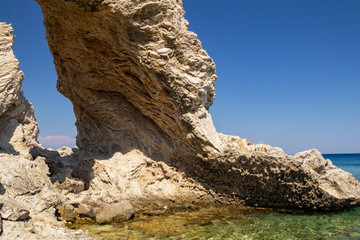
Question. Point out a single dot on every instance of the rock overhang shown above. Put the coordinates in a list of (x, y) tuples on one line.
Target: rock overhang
[(141, 86), (141, 56)]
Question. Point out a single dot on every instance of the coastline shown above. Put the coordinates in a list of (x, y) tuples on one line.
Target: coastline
[(141, 92), (234, 222)]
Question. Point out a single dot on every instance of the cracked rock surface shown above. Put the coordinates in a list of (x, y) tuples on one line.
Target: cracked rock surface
[(18, 127), (141, 86), (140, 81)]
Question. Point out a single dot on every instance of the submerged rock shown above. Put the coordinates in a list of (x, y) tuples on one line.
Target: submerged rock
[(141, 86)]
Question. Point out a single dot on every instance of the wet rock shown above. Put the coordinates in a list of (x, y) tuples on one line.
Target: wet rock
[(76, 212), (85, 211), (105, 213), (116, 212), (67, 212)]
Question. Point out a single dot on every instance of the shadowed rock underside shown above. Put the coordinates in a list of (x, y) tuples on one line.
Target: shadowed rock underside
[(141, 86)]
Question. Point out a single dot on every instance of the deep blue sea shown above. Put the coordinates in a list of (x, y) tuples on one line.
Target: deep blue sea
[(243, 223)]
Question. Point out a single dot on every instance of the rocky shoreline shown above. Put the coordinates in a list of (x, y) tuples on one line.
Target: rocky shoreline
[(141, 86)]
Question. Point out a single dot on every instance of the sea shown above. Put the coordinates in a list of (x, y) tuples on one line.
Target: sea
[(242, 222)]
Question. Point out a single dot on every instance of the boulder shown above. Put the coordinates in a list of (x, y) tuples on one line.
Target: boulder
[(13, 210), (79, 212), (76, 212), (115, 212)]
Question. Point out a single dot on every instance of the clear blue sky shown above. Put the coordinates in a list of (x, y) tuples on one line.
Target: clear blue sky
[(289, 71)]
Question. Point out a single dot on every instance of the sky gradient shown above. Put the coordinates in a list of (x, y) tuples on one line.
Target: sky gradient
[(289, 71)]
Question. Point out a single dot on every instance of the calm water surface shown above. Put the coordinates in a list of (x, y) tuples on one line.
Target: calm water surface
[(242, 223)]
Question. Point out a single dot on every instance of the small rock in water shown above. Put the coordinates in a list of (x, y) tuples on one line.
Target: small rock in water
[(121, 211)]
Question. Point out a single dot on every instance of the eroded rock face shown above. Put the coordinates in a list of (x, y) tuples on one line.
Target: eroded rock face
[(141, 86), (136, 63), (27, 196), (12, 210), (139, 80), (28, 201), (18, 127)]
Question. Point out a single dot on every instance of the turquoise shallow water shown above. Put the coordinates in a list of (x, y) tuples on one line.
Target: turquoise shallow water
[(242, 223), (232, 223)]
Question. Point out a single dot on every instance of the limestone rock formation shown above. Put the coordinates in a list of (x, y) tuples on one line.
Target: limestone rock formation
[(139, 80), (141, 86), (18, 127), (136, 63), (29, 201), (27, 196), (13, 210)]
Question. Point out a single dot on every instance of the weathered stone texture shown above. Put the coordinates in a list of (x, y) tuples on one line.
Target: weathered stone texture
[(141, 86), (12, 210), (135, 63), (18, 127), (28, 201), (139, 80), (27, 196)]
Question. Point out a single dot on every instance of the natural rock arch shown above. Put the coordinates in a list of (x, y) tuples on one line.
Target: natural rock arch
[(141, 86), (139, 79)]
